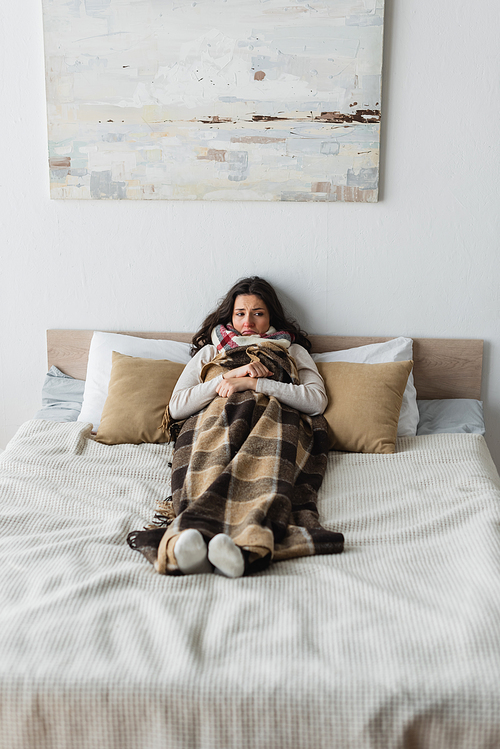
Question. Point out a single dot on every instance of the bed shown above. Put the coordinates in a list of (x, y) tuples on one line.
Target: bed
[(393, 644)]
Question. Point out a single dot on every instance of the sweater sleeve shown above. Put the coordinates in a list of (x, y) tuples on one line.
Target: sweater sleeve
[(190, 393), (309, 396)]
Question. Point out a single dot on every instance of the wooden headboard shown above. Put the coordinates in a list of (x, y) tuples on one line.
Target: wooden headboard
[(444, 367)]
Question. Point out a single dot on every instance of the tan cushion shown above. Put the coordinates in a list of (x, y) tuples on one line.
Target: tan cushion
[(139, 391), (364, 401)]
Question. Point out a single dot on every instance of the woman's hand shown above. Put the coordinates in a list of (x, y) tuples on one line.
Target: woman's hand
[(253, 369), (236, 385)]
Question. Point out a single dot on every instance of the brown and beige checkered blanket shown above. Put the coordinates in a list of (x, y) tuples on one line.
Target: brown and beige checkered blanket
[(250, 467)]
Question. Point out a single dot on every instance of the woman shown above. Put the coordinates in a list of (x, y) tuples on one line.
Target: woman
[(252, 307), (251, 453)]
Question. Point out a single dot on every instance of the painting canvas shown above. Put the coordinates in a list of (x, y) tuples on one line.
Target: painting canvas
[(275, 100)]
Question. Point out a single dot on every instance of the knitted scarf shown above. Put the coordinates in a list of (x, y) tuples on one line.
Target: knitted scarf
[(225, 338)]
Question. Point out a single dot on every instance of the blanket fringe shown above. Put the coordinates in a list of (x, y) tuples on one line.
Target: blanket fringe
[(169, 426), (164, 515), (166, 423)]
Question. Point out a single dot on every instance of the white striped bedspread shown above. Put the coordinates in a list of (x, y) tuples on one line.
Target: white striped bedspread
[(394, 644)]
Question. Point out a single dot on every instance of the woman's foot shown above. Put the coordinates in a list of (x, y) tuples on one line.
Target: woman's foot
[(190, 551), (226, 557)]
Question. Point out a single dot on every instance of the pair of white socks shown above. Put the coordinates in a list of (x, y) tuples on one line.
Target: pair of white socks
[(194, 557)]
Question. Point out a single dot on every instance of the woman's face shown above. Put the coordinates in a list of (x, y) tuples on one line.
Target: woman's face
[(250, 315)]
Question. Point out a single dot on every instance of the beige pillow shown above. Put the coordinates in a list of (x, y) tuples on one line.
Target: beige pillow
[(364, 401), (139, 391)]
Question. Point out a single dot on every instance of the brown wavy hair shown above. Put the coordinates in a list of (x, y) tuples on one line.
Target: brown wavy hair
[(224, 313)]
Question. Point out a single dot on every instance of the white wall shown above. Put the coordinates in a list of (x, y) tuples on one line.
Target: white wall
[(424, 261)]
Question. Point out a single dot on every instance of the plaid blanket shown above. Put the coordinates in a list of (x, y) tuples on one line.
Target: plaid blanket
[(250, 467)]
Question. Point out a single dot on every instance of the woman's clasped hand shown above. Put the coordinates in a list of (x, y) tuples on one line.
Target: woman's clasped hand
[(242, 378)]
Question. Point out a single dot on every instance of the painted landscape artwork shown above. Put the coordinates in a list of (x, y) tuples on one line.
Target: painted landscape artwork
[(275, 100)]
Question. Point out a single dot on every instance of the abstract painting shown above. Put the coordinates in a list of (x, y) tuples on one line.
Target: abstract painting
[(275, 100)]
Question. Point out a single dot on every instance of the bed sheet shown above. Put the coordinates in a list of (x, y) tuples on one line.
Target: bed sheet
[(393, 644)]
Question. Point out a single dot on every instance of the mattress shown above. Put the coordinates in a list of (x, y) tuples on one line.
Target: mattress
[(394, 643)]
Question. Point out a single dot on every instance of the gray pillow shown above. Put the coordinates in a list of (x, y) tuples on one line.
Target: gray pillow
[(450, 415), (62, 397)]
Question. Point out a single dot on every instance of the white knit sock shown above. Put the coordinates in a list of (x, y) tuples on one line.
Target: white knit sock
[(190, 551), (226, 557)]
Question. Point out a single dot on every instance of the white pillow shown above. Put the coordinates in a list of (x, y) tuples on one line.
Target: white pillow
[(398, 349), (100, 360)]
